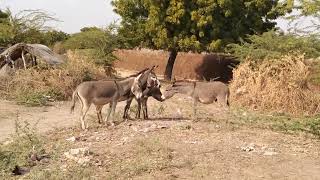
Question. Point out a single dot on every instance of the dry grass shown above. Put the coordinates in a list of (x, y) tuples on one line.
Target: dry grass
[(275, 85), (36, 85)]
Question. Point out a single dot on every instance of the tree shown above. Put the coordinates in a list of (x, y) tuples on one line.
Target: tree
[(99, 42), (53, 36), (27, 26), (274, 45), (5, 29), (307, 8), (194, 25)]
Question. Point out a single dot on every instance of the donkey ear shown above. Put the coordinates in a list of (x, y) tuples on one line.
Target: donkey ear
[(153, 67), (139, 82)]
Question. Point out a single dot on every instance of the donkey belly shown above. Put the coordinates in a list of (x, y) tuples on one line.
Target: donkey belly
[(101, 101), (206, 100)]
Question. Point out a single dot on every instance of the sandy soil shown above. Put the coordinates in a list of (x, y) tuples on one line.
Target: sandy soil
[(195, 150)]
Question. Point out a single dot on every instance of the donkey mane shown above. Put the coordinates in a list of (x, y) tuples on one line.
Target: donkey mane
[(138, 73)]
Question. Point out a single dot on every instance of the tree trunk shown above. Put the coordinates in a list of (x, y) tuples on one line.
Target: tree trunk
[(170, 63)]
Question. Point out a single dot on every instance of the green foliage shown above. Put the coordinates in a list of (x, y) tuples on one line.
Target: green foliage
[(100, 41), (32, 97), (273, 45), (53, 36), (309, 7), (196, 25), (28, 26), (307, 11), (18, 151), (5, 29)]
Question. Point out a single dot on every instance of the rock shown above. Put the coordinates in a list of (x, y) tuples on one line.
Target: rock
[(20, 170), (81, 151), (80, 155), (269, 153), (248, 148), (84, 160), (71, 139)]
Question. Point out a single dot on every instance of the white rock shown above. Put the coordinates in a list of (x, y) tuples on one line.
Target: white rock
[(269, 153), (79, 151), (71, 139), (248, 148)]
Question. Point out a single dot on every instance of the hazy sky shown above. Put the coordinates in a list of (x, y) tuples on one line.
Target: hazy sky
[(76, 14)]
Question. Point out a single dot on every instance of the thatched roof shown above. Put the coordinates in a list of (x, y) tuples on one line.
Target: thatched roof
[(40, 51)]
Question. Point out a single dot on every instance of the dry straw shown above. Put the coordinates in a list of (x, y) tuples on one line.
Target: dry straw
[(61, 80), (275, 85)]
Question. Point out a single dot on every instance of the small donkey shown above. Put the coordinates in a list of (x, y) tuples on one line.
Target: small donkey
[(154, 92), (203, 92), (152, 82)]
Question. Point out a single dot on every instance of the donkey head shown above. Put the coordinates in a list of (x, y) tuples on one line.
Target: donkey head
[(146, 79), (136, 88), (152, 80)]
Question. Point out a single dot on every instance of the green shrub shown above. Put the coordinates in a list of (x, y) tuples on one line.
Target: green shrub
[(17, 153), (273, 45), (101, 42)]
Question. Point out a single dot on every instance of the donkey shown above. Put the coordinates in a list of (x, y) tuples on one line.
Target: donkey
[(108, 92), (152, 82), (155, 92), (203, 92)]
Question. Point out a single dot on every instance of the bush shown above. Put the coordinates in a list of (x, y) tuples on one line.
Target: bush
[(101, 41), (18, 152), (273, 45), (275, 85), (37, 86)]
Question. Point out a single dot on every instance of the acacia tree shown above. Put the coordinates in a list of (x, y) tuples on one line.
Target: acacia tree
[(27, 26), (193, 25), (307, 8)]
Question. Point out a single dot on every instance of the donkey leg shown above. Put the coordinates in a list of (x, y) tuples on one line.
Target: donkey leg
[(126, 109), (113, 109), (98, 109), (145, 108), (139, 109), (108, 113), (84, 110), (222, 101)]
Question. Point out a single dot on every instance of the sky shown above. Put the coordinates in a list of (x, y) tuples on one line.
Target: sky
[(75, 14)]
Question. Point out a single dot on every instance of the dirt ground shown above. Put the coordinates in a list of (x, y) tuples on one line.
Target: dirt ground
[(171, 146)]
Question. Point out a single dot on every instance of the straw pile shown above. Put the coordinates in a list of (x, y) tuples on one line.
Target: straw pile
[(279, 85)]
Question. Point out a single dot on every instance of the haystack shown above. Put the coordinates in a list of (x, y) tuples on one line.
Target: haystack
[(279, 85)]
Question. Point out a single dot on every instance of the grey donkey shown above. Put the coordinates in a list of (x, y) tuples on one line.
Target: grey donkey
[(109, 92), (203, 92), (154, 92), (151, 87)]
